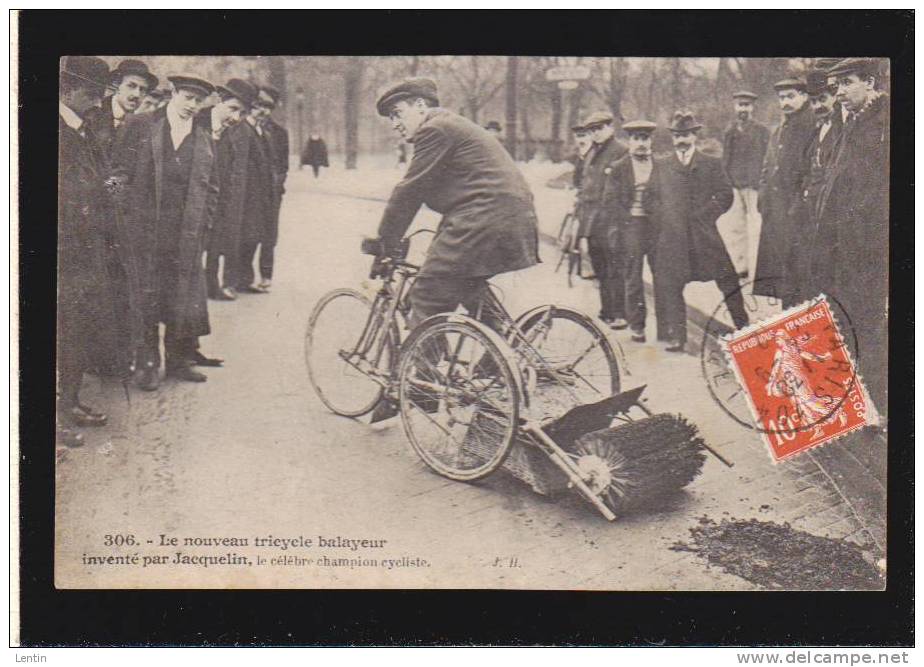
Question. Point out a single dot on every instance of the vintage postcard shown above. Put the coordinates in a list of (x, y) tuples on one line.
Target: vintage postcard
[(472, 322)]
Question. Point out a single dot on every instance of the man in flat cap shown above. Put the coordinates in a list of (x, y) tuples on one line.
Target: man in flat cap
[(627, 200), (600, 232), (850, 250), (780, 195), (90, 335), (459, 170), (692, 192), (743, 149), (167, 163), (252, 204), (819, 156), (236, 98), (132, 81)]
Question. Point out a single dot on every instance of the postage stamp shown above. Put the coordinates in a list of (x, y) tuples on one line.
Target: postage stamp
[(800, 381)]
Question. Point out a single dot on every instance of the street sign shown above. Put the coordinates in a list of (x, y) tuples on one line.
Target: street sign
[(573, 73)]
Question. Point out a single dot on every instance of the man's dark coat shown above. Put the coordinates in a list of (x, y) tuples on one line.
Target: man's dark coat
[(101, 122), (595, 169), (743, 153), (779, 201), (850, 249), (278, 141), (687, 202), (315, 153), (138, 157), (98, 312), (460, 170)]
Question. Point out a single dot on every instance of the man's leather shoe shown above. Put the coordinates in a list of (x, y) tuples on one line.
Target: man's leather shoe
[(150, 378), (80, 417), (619, 324), (265, 285), (250, 289), (675, 346), (200, 359), (386, 408), (638, 336), (225, 294), (68, 438), (186, 374)]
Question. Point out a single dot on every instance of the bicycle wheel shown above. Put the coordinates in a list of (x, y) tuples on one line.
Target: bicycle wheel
[(459, 392), (576, 362), (343, 381)]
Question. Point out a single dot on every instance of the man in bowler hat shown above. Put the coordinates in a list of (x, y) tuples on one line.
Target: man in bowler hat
[(133, 81), (167, 162), (743, 148), (692, 192)]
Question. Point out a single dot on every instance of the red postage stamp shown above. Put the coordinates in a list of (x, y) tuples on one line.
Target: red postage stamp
[(800, 381)]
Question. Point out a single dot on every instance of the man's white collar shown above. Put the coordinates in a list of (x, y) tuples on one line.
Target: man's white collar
[(70, 117)]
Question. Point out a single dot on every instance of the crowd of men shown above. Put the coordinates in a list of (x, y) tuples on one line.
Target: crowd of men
[(165, 198), (809, 200)]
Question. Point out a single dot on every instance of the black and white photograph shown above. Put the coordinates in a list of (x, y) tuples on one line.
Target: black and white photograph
[(467, 322)]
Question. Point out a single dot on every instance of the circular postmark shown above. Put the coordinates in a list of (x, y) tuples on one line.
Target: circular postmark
[(790, 373)]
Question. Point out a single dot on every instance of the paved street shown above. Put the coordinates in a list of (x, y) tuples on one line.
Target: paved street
[(252, 453)]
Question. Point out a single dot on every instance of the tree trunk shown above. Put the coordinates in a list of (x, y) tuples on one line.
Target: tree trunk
[(555, 148), (277, 79), (352, 79), (510, 131), (529, 150)]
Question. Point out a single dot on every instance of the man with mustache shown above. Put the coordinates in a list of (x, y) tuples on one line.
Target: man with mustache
[(167, 164), (235, 100), (133, 82), (819, 156), (627, 199), (692, 192), (850, 256), (783, 221), (743, 150), (597, 232)]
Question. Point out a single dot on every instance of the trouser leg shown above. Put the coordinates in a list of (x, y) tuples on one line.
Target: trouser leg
[(604, 262), (244, 269), (633, 263), (179, 350), (212, 282), (70, 376), (734, 301), (316, 169), (672, 309), (267, 258), (151, 347)]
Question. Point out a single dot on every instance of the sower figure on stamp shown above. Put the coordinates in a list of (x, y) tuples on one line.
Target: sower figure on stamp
[(236, 98), (743, 149), (692, 192), (90, 237), (853, 220), (133, 82), (459, 170), (601, 233), (783, 223), (254, 208), (627, 199), (278, 138), (819, 156), (168, 166)]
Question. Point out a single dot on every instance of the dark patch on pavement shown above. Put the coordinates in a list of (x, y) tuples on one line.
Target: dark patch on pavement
[(777, 556)]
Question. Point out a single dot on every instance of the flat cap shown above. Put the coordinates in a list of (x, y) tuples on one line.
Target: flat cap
[(790, 83), (493, 125), (640, 126), (596, 119), (137, 68), (683, 120), (238, 89), (86, 70), (409, 88), (744, 94), (861, 66), (826, 63), (191, 83), (816, 82)]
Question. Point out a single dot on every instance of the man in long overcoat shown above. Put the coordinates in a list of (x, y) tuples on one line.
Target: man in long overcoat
[(850, 251), (91, 335), (459, 170), (278, 140), (167, 164), (692, 192), (780, 194), (132, 81), (599, 229)]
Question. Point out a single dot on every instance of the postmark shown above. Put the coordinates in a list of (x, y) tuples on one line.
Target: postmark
[(798, 379)]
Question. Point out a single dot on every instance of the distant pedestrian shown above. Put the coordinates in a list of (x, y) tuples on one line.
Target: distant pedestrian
[(692, 192), (743, 150), (315, 153)]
